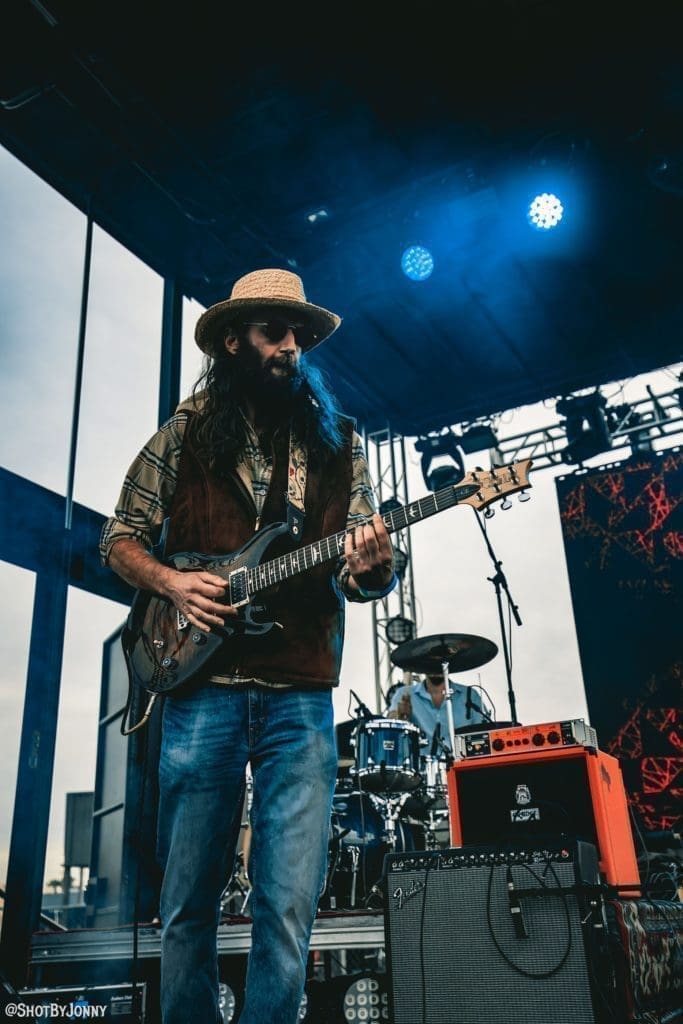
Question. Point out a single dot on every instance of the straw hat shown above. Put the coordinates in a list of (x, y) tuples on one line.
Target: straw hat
[(280, 289)]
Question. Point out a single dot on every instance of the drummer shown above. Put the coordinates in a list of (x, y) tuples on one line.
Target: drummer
[(424, 704)]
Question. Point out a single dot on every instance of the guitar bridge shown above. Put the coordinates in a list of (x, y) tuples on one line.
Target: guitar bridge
[(238, 583)]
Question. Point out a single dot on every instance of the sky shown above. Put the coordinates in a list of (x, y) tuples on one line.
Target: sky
[(40, 279)]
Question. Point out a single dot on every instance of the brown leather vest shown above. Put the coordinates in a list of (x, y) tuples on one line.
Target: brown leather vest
[(217, 515)]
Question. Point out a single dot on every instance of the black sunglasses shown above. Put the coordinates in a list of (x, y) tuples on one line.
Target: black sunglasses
[(276, 330)]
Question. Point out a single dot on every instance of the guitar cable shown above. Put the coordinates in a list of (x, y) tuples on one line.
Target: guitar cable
[(135, 963), (145, 717)]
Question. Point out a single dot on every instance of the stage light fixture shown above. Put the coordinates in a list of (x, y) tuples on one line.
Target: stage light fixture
[(317, 215), (442, 460), (478, 438), (417, 263), (586, 426), (226, 1003), (545, 211), (399, 629), (366, 999)]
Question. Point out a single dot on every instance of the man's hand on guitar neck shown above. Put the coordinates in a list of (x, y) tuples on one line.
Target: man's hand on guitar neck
[(196, 595), (369, 554)]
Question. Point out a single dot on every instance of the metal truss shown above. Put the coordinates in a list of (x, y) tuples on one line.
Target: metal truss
[(640, 425), (387, 459)]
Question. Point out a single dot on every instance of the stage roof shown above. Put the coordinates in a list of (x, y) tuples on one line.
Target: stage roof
[(205, 136)]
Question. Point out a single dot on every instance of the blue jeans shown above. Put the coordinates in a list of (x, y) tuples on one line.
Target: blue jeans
[(208, 738)]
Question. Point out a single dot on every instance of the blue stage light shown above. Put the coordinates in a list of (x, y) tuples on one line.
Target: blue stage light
[(417, 263), (545, 211)]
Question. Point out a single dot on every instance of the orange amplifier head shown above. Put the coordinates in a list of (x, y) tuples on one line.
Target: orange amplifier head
[(517, 739), (522, 794)]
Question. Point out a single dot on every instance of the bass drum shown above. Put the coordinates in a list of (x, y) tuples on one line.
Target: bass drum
[(357, 848)]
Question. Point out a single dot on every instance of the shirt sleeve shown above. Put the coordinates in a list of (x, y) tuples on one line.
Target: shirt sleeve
[(362, 505), (147, 491), (399, 694)]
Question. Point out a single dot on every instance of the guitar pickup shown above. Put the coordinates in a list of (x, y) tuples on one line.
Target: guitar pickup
[(238, 583)]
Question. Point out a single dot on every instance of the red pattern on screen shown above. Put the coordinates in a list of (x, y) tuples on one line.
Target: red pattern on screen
[(673, 542), (650, 543), (660, 774), (668, 722), (628, 742), (624, 523)]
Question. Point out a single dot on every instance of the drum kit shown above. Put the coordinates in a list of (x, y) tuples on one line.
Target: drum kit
[(391, 796)]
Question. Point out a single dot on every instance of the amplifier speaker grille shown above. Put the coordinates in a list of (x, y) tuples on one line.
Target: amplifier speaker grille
[(443, 921)]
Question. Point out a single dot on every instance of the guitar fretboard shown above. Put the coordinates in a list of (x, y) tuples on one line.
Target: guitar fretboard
[(267, 574)]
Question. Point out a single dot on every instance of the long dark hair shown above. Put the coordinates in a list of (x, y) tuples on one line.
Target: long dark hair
[(220, 431)]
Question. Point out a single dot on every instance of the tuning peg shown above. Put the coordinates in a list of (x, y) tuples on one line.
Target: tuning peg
[(506, 504), (523, 496), (489, 513)]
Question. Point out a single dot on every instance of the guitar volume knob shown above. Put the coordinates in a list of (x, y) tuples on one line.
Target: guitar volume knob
[(169, 663)]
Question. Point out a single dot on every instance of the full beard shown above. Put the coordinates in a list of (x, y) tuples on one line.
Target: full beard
[(275, 387)]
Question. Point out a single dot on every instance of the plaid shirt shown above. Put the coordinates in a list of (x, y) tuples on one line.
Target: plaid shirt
[(150, 483)]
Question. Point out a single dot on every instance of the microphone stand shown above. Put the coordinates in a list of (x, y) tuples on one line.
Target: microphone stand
[(445, 668), (500, 583), (362, 710)]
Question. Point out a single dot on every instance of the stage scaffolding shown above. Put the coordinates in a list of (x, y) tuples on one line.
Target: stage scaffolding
[(386, 452)]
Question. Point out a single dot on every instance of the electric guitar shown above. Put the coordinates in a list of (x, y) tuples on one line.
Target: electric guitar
[(164, 650)]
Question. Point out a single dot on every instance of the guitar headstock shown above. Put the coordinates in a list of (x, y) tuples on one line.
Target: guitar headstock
[(494, 484)]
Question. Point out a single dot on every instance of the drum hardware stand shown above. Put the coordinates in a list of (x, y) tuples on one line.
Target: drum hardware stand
[(355, 858), (449, 707), (432, 789), (430, 831), (236, 887), (235, 884), (390, 808), (500, 583)]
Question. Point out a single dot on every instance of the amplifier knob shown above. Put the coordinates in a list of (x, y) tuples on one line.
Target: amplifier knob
[(498, 744), (538, 739), (554, 736)]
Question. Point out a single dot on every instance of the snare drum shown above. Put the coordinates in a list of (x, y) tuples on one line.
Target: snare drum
[(387, 756)]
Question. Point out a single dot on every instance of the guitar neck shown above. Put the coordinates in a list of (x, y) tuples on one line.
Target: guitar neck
[(294, 562)]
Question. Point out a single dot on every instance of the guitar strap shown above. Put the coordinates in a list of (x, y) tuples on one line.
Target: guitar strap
[(296, 487)]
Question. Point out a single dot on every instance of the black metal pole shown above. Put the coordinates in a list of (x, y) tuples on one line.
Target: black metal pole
[(78, 386), (500, 583), (171, 324), (34, 779), (33, 793)]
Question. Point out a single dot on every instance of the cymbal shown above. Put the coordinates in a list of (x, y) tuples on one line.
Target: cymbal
[(427, 654)]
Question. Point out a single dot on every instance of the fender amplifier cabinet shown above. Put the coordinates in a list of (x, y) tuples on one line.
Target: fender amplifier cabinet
[(484, 934), (573, 790)]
